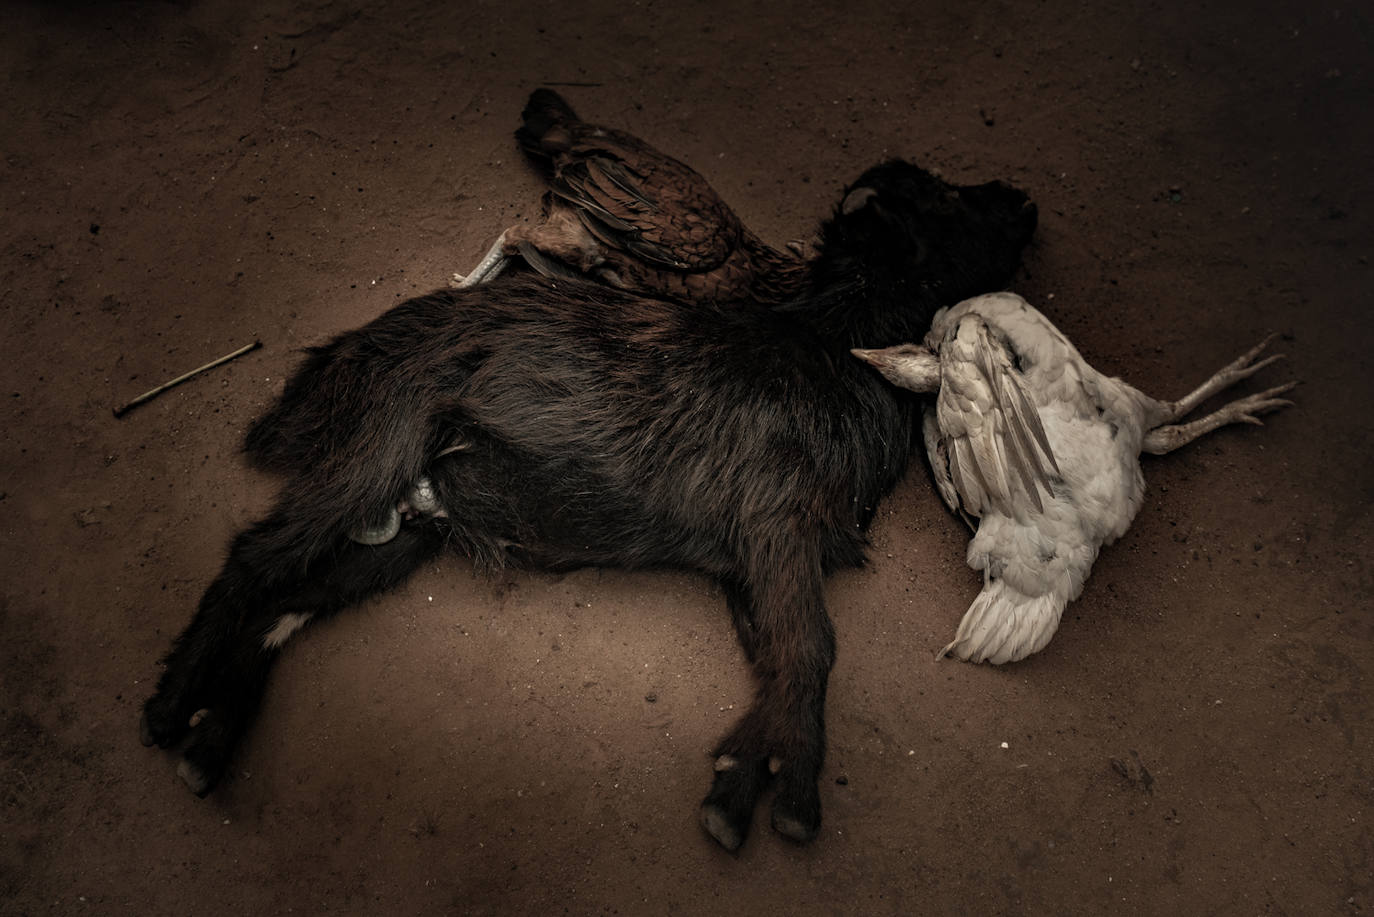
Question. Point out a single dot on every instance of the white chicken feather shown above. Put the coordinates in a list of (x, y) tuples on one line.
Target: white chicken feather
[(1044, 451)]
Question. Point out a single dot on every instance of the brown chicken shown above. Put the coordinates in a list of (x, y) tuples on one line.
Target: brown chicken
[(620, 211)]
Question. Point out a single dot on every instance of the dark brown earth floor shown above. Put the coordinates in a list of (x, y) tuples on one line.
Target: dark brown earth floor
[(183, 178)]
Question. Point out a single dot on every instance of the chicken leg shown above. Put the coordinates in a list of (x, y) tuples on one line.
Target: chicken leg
[(1162, 438), (492, 264)]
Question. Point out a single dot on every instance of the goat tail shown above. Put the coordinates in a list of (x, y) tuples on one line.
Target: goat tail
[(1005, 625), (339, 412), (355, 428)]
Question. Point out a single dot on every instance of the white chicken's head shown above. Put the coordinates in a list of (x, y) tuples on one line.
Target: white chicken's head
[(908, 366)]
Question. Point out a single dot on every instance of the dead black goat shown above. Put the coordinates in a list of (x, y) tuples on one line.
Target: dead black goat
[(560, 424)]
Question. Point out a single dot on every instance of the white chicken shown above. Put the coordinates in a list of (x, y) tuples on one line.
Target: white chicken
[(1044, 451)]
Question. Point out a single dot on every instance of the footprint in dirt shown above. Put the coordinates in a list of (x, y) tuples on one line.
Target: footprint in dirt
[(1134, 772)]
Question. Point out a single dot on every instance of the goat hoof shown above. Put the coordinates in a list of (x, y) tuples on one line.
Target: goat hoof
[(791, 826), (719, 825), (800, 823), (195, 779), (728, 808)]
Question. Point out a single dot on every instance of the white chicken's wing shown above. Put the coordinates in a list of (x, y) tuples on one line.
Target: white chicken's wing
[(998, 455)]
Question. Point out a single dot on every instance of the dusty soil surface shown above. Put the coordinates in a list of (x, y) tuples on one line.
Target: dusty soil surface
[(184, 178)]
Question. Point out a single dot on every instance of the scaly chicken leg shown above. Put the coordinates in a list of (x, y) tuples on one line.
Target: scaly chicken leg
[(492, 264), (1168, 438), (1240, 368)]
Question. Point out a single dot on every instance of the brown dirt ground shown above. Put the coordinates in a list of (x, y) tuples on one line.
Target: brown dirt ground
[(183, 178)]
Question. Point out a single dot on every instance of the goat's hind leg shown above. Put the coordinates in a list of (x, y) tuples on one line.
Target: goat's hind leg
[(217, 670), (202, 650)]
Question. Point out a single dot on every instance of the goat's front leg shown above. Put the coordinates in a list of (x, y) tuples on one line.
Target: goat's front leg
[(783, 734), (217, 670)]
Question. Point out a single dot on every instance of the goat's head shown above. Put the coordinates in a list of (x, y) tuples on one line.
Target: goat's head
[(954, 240)]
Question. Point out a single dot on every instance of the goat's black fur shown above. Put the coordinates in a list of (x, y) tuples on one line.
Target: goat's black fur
[(594, 427)]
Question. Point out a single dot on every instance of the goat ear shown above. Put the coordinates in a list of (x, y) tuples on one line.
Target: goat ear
[(856, 199)]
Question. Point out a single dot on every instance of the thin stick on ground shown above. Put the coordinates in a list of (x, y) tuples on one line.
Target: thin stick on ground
[(150, 395)]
